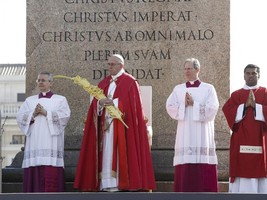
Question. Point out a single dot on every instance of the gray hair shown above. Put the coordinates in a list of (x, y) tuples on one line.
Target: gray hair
[(194, 61), (50, 75)]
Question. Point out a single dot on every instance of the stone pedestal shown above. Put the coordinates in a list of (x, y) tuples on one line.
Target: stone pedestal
[(13, 174)]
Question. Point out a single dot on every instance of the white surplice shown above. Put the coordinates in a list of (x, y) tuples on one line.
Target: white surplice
[(195, 130), (45, 137)]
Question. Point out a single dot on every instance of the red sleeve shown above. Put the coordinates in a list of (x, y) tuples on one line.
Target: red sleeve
[(230, 108)]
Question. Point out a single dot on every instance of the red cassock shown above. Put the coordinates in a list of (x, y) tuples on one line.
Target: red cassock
[(134, 157), (247, 132)]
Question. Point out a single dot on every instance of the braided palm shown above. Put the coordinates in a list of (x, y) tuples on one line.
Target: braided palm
[(95, 91)]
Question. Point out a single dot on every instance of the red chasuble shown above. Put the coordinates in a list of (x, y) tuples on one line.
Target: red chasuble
[(134, 158), (247, 132)]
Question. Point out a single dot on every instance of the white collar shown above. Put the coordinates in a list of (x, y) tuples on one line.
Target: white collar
[(246, 87), (192, 82), (44, 93), (113, 78)]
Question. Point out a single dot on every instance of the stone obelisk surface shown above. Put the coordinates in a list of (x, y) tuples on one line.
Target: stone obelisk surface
[(75, 37)]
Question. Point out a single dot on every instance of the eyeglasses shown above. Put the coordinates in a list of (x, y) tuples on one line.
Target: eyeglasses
[(113, 64), (42, 81)]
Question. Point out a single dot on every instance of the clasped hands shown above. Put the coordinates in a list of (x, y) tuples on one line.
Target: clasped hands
[(251, 100), (105, 102), (188, 100), (39, 109)]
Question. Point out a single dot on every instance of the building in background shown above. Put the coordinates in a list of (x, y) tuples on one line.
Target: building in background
[(12, 95)]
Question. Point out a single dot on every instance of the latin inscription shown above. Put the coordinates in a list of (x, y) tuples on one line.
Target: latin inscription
[(144, 29)]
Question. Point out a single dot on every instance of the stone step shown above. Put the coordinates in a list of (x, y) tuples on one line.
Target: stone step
[(162, 186), (167, 186), (131, 196)]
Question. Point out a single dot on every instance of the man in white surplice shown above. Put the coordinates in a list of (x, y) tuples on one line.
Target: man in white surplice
[(43, 118), (194, 105)]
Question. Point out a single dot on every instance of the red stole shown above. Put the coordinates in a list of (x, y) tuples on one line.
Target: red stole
[(119, 147)]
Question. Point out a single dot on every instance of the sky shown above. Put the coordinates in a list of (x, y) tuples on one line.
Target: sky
[(12, 31), (248, 36)]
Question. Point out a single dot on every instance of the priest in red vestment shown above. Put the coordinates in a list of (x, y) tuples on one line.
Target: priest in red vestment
[(246, 114), (114, 157)]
